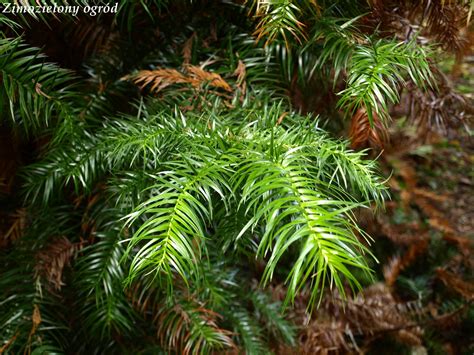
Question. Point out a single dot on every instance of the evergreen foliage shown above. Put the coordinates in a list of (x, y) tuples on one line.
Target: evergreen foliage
[(172, 175)]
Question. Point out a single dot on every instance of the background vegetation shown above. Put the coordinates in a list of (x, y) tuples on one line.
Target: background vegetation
[(237, 177)]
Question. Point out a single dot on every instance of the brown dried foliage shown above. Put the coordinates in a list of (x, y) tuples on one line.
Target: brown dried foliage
[(412, 234), (173, 323), (325, 336), (8, 343), (241, 73), (159, 79), (433, 213), (51, 260), (401, 234), (397, 264), (438, 109), (174, 327), (363, 134), (36, 321), (441, 21), (336, 325), (144, 299), (16, 223), (205, 77), (464, 244), (454, 282), (188, 49), (427, 201), (445, 21), (90, 36)]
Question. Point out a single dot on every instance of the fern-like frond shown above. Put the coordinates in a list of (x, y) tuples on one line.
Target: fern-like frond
[(121, 144), (99, 270), (295, 187), (171, 238), (280, 193), (348, 170), (78, 166), (130, 142), (338, 38), (278, 17), (251, 337), (377, 70), (99, 277), (34, 92)]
